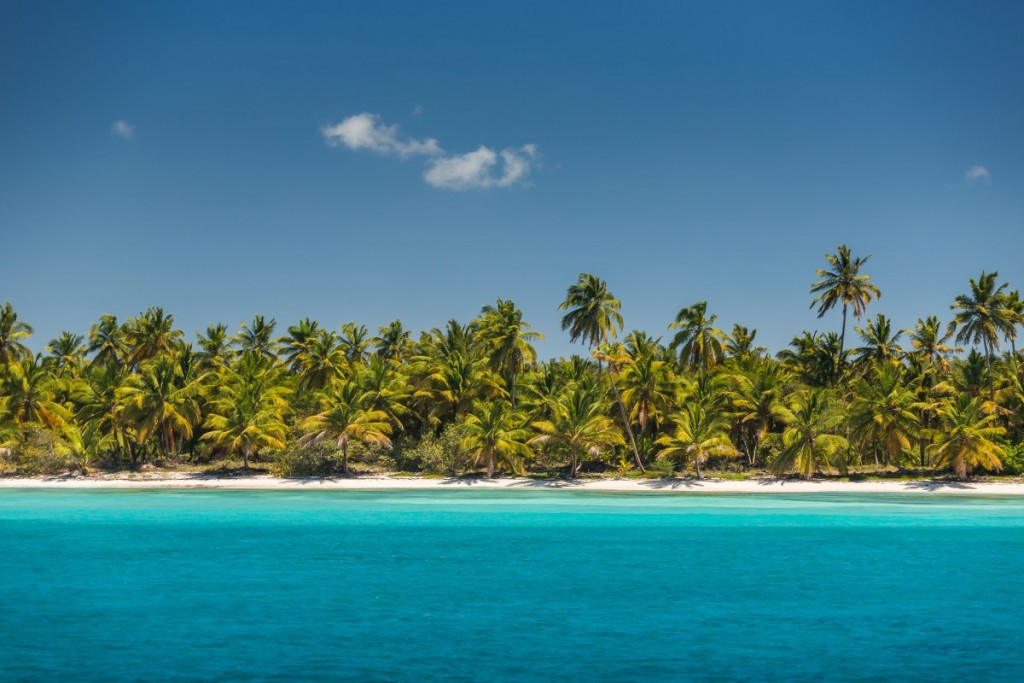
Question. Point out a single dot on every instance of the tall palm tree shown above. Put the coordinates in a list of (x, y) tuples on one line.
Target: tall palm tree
[(12, 335), (508, 340), (99, 404), (983, 316), (354, 341), (345, 416), (29, 394), (842, 282), (880, 344), (495, 433), (320, 361), (593, 317), (647, 389), (294, 344), (756, 397), (249, 413), (967, 437), (808, 441), (698, 434), (700, 343), (67, 353), (739, 343), (578, 424)]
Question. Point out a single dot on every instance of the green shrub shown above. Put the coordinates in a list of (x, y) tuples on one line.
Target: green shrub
[(439, 454), (41, 452), (1013, 458), (310, 461)]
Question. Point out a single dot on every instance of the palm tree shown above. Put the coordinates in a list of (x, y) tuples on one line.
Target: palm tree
[(294, 345), (391, 341), (928, 341), (346, 417), (698, 434), (983, 316), (842, 282), (882, 413), (151, 335), (593, 317), (320, 361), (258, 338), (67, 353), (739, 343), (249, 413), (880, 344), (12, 332), (354, 341), (647, 388), (507, 338), (30, 395), (698, 340), (579, 424), (109, 341), (495, 433), (215, 351), (159, 402), (756, 397), (99, 404), (966, 438), (808, 441)]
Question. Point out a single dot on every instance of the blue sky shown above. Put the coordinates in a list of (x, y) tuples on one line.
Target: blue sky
[(682, 151)]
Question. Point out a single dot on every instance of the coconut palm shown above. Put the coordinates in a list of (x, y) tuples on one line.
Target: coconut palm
[(647, 385), (248, 415), (392, 341), (756, 397), (739, 344), (592, 316), (151, 335), (494, 433), (258, 338), (842, 282), (67, 353), (697, 434), (983, 316), (99, 404), (30, 395), (294, 344), (507, 340), (160, 402), (880, 344), (215, 348), (700, 343), (809, 442), (345, 416), (354, 342), (578, 424), (967, 437), (108, 340), (882, 413), (319, 362), (929, 341), (12, 335)]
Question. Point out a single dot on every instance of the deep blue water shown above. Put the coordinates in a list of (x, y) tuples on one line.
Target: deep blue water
[(508, 585)]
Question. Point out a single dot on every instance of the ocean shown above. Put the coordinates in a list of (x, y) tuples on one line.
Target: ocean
[(508, 585)]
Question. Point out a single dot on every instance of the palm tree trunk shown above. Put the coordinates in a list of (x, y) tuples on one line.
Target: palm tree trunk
[(245, 458), (622, 410), (490, 465), (344, 458)]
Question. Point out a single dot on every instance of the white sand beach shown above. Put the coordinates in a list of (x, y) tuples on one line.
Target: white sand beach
[(203, 481)]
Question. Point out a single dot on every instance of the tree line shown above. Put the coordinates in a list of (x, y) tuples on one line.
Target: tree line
[(475, 398)]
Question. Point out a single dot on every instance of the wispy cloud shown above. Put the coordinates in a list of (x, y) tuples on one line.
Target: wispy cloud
[(122, 129), (477, 169), (368, 131), (977, 174), (482, 168)]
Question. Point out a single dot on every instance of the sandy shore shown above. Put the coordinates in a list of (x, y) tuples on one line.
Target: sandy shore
[(187, 481)]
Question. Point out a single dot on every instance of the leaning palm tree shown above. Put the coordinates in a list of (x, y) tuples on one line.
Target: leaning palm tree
[(700, 343), (967, 437), (842, 282), (12, 335), (983, 316), (593, 317), (345, 417), (809, 443), (495, 433), (578, 423), (699, 433)]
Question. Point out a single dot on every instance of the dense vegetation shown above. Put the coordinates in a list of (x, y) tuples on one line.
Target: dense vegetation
[(474, 397)]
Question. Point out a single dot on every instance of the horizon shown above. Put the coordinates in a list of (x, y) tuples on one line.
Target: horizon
[(395, 161)]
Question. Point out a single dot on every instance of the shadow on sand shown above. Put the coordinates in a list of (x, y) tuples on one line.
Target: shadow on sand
[(672, 483)]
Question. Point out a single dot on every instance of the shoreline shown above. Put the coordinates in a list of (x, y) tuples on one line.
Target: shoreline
[(381, 482)]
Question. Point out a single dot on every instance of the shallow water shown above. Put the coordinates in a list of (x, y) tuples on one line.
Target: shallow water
[(508, 585)]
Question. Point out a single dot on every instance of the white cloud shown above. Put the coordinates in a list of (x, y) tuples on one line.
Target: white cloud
[(976, 174), (368, 131), (417, 110), (481, 168), (476, 169), (122, 129)]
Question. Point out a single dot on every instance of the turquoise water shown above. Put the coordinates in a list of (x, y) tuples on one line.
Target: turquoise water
[(508, 585)]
